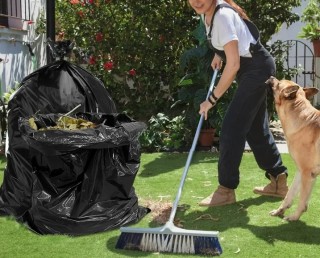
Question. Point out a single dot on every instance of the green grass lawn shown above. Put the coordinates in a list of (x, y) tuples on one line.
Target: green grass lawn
[(246, 229)]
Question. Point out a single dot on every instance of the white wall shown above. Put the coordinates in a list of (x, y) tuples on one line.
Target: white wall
[(294, 29), (18, 62)]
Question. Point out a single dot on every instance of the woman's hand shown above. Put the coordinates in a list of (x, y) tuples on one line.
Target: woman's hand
[(205, 106), (216, 62)]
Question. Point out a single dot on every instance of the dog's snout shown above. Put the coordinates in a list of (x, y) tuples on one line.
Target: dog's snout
[(270, 80)]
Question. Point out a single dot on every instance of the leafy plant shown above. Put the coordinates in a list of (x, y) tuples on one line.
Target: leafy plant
[(193, 95), (10, 91), (279, 50), (165, 134), (311, 16), (41, 24), (268, 16)]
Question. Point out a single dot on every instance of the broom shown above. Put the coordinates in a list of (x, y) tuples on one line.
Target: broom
[(170, 238)]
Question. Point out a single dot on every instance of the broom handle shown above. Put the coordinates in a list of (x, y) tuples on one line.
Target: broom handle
[(193, 147)]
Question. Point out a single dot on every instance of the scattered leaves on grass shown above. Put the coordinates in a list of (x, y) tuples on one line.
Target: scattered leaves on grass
[(160, 212), (207, 217), (207, 183), (198, 197), (179, 223), (242, 207), (238, 251), (183, 207), (163, 196)]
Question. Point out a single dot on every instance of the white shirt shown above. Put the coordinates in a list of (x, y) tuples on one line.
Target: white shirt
[(228, 26)]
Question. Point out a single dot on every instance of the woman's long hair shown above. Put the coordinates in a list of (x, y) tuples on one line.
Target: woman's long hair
[(241, 12)]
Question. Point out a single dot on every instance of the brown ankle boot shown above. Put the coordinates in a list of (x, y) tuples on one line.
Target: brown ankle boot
[(277, 187), (221, 196)]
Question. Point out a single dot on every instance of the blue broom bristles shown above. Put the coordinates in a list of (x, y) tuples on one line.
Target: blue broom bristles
[(171, 243), (129, 241)]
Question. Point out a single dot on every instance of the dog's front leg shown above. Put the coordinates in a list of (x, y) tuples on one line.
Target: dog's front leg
[(307, 182), (287, 202)]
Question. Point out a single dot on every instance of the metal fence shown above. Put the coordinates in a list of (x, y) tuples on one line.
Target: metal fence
[(299, 55)]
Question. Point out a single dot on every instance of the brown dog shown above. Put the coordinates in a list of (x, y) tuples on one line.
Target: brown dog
[(301, 126)]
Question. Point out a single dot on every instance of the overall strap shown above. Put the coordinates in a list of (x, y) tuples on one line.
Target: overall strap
[(218, 7)]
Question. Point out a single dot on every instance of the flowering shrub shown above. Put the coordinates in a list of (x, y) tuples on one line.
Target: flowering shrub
[(134, 47)]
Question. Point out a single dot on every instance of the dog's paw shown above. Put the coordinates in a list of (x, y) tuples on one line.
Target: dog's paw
[(292, 217), (277, 212)]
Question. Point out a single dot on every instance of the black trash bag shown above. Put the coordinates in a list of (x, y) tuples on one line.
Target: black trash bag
[(71, 182)]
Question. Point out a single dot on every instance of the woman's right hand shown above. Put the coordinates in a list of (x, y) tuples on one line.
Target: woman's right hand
[(216, 62), (205, 106)]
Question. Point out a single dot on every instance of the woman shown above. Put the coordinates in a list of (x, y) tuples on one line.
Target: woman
[(235, 41)]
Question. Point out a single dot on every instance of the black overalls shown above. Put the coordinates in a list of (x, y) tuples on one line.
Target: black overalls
[(246, 118)]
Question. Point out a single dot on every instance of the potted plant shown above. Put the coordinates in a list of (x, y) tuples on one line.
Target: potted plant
[(311, 29)]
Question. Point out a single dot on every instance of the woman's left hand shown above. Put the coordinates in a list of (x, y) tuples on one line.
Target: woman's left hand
[(204, 108)]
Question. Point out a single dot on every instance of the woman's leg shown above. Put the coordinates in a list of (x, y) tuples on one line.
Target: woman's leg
[(242, 111), (263, 146)]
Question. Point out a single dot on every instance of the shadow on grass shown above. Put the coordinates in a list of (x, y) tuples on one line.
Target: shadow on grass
[(294, 232), (167, 162)]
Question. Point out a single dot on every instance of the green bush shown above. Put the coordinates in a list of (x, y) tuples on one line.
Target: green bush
[(165, 134), (270, 15), (311, 17)]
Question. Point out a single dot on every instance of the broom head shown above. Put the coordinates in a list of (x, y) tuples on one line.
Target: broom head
[(170, 239)]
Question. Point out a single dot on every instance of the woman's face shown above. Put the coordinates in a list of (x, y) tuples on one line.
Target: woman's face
[(202, 6)]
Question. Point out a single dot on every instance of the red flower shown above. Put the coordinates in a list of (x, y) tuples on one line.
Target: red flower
[(92, 60), (99, 37), (108, 66), (74, 1), (80, 13), (30, 22), (162, 38), (133, 72), (91, 1)]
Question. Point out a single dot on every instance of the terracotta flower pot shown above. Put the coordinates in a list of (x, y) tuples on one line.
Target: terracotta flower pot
[(316, 47), (206, 137)]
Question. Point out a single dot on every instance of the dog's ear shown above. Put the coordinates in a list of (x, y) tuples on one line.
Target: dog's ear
[(290, 92), (310, 92)]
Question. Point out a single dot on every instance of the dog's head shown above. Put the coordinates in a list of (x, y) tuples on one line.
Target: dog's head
[(288, 90)]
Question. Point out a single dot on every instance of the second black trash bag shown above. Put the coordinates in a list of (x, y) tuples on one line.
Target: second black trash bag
[(70, 182)]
